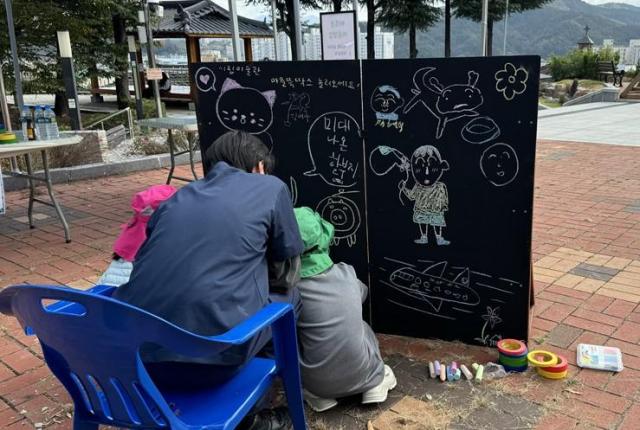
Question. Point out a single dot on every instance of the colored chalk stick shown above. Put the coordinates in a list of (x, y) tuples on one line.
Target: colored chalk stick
[(479, 372), (474, 366), (454, 366), (449, 374), (432, 370), (456, 375), (443, 373), (466, 372), (436, 366)]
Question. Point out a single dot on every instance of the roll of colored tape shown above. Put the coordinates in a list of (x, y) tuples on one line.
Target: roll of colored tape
[(551, 375), (506, 360), (559, 367), (512, 347), (515, 368), (540, 358)]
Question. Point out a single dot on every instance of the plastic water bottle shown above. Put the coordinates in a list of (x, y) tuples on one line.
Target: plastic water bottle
[(25, 119), (41, 128), (51, 124)]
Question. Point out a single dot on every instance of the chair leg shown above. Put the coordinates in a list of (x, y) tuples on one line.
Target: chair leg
[(78, 424), (286, 346)]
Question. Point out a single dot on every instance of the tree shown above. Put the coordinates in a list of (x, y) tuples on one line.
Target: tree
[(285, 18), (408, 15), (336, 5), (472, 9), (372, 9), (447, 28), (36, 23)]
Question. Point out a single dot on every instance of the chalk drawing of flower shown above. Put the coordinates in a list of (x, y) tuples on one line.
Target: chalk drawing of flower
[(511, 81), (492, 317)]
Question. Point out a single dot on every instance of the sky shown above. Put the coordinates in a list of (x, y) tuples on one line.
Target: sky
[(258, 12), (632, 2)]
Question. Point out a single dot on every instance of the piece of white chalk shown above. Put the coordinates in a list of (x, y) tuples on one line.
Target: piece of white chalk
[(466, 372), (432, 370)]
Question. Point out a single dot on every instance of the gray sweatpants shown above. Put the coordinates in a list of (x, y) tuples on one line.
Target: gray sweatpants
[(339, 353)]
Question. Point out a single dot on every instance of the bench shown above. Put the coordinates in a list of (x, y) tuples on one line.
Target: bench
[(116, 135), (606, 69)]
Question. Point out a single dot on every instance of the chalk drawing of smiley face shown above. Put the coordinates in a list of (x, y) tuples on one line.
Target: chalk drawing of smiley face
[(499, 164)]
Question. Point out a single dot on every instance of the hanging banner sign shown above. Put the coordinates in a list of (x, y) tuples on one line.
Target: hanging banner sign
[(154, 74), (338, 35)]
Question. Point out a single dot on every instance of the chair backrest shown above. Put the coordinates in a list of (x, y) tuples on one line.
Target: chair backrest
[(96, 354)]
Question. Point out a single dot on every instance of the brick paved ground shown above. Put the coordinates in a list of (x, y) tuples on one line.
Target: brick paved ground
[(587, 268)]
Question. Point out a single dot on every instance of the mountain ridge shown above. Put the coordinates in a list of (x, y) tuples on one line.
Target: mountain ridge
[(558, 26)]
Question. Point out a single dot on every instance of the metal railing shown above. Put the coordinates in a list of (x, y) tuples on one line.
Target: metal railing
[(126, 111)]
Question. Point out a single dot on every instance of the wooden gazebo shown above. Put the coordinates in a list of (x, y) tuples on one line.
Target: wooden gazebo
[(203, 19), (193, 20)]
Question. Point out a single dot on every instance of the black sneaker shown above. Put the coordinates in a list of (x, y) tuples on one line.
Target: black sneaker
[(268, 419)]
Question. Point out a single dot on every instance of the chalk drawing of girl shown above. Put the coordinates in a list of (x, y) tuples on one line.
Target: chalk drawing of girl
[(430, 196)]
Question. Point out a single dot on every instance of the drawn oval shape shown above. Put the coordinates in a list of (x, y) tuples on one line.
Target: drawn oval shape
[(499, 164), (423, 286), (480, 130), (342, 212)]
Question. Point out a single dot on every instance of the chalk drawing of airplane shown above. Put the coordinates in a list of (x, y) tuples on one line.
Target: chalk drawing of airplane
[(432, 286)]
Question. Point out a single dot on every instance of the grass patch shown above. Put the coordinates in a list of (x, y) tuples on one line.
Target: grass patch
[(549, 103), (587, 84)]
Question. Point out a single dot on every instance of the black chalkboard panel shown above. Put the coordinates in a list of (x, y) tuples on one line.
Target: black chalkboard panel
[(450, 147), (310, 114), (446, 164)]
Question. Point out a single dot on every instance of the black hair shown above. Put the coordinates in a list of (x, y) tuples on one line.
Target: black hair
[(241, 150)]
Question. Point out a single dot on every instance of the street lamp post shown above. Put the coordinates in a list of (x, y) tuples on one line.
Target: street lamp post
[(506, 22), (235, 32), (485, 25), (356, 11), (68, 76), (297, 27), (274, 21), (133, 61), (152, 60)]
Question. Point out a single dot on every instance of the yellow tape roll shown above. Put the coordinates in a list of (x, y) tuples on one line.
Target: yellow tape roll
[(551, 375), (540, 358)]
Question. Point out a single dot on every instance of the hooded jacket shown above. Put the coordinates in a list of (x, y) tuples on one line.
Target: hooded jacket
[(339, 354)]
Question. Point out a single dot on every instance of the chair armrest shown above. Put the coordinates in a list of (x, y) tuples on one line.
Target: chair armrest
[(246, 330), (74, 308)]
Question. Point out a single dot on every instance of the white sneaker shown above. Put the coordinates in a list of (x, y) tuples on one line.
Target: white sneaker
[(318, 404), (379, 394)]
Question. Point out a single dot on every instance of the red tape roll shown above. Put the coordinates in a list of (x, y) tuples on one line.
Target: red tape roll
[(512, 347), (562, 366)]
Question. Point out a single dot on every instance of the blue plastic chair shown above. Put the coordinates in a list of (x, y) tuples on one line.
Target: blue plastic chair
[(92, 342)]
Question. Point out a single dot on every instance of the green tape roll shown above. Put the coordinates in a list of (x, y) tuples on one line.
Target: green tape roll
[(505, 360)]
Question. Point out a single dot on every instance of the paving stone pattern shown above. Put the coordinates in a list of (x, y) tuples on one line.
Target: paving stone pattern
[(586, 251)]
